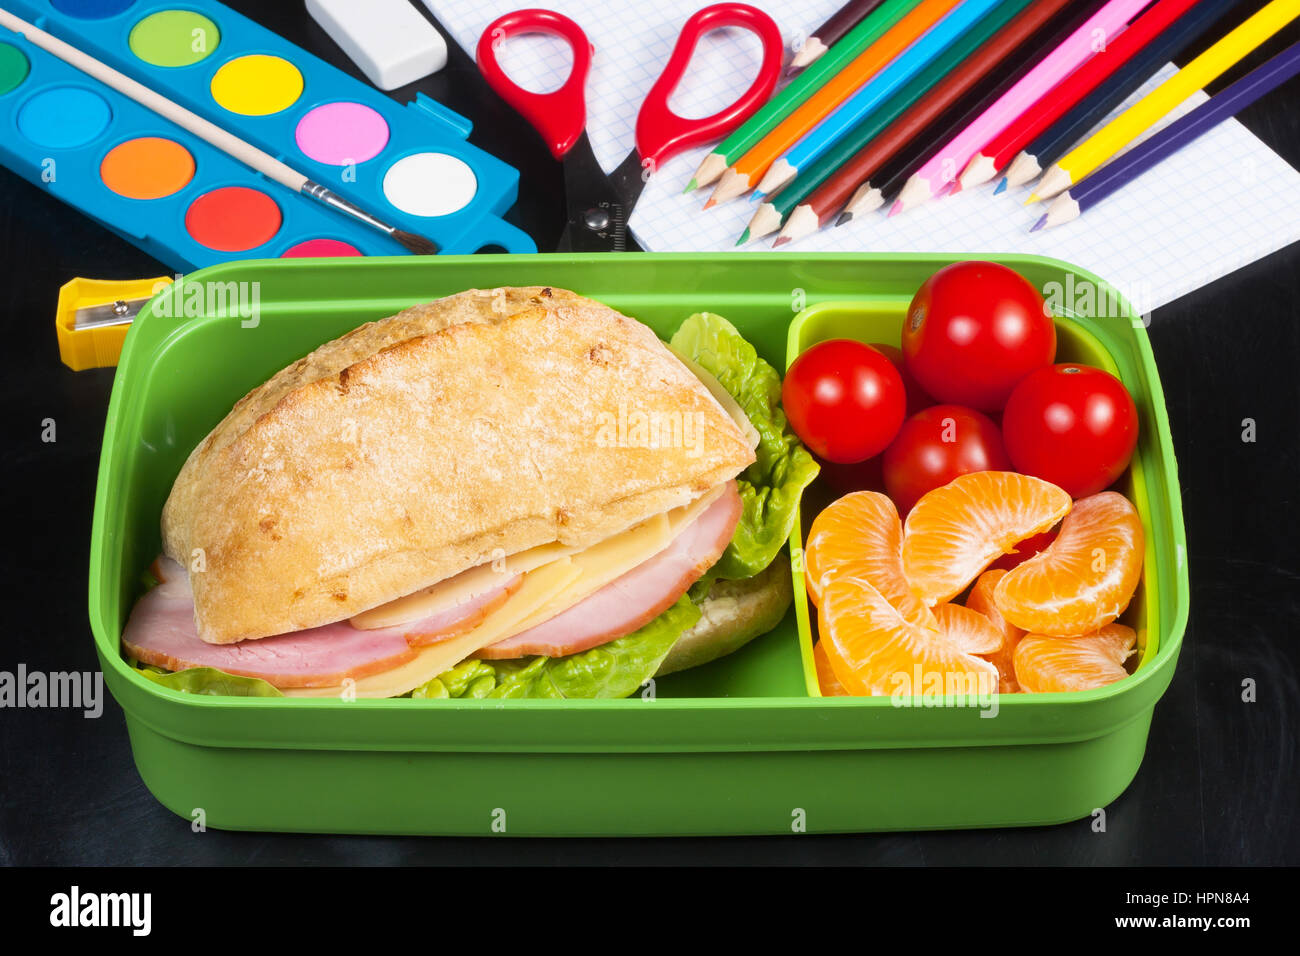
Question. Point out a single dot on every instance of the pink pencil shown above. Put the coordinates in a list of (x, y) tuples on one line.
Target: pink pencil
[(942, 170)]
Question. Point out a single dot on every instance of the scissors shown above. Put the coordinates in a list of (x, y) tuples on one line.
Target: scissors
[(598, 204)]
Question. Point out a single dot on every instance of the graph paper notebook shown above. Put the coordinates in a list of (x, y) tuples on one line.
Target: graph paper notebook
[(1221, 203)]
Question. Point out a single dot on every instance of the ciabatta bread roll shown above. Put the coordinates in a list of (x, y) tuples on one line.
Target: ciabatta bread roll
[(418, 446)]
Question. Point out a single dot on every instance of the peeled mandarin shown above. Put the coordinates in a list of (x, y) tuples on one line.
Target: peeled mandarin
[(873, 650), (981, 599), (955, 532), (1085, 578), (860, 535), (1053, 664)]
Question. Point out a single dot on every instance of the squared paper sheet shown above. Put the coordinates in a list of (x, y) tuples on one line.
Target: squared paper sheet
[(1217, 205)]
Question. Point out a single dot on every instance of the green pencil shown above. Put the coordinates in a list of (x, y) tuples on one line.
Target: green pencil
[(773, 211), (807, 83)]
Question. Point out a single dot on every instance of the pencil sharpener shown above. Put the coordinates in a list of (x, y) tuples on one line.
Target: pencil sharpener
[(93, 316)]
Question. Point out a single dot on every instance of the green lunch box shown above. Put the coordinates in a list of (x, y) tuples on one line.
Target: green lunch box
[(744, 745)]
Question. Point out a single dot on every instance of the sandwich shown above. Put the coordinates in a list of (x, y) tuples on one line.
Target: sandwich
[(513, 492)]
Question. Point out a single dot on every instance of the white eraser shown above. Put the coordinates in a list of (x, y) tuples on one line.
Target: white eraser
[(388, 40)]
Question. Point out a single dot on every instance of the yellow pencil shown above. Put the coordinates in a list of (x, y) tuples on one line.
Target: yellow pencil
[(1125, 128)]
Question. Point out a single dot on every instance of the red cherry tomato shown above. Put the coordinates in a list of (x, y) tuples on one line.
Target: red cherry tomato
[(1024, 551), (973, 331), (1071, 425), (916, 397), (937, 445), (844, 399)]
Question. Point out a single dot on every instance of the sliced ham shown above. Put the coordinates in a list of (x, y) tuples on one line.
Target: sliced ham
[(161, 631), (459, 618), (637, 597)]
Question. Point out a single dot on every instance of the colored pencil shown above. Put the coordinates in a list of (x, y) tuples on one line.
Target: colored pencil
[(1050, 23), (964, 63), (216, 136), (789, 99), (743, 174), (886, 185), (1056, 141), (967, 89), (1114, 176), (997, 153), (831, 32), (1130, 124), (941, 171), (936, 42)]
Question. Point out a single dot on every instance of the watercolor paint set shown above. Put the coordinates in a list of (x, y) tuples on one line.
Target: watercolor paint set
[(187, 202)]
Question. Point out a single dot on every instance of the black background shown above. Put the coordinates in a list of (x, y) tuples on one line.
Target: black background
[(1220, 779)]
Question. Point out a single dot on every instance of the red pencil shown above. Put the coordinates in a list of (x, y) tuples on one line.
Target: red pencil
[(979, 69), (1002, 149)]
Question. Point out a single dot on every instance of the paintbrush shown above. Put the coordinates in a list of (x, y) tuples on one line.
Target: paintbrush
[(227, 142)]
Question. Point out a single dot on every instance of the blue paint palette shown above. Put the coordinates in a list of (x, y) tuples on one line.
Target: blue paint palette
[(188, 203)]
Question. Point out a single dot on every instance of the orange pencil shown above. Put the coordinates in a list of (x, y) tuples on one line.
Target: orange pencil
[(749, 168)]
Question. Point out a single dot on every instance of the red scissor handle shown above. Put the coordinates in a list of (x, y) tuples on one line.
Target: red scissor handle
[(661, 133), (561, 115)]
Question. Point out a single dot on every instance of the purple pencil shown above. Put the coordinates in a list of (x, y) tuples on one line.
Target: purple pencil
[(1116, 175)]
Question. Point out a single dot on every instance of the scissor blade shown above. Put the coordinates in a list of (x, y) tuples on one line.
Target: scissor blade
[(629, 179), (597, 213)]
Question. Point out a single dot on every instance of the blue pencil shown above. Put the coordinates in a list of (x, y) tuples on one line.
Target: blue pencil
[(1059, 138), (1120, 172), (874, 92)]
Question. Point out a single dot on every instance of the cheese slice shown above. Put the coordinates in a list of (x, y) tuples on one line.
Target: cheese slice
[(603, 563), (616, 555), (538, 586), (608, 561), (459, 589), (546, 591), (679, 518), (721, 396)]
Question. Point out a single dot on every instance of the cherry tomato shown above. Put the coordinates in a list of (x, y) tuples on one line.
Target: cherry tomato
[(973, 331), (916, 397), (844, 399), (937, 445), (1025, 550), (1071, 425)]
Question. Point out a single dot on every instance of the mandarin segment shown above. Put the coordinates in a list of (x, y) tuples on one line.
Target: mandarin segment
[(873, 650), (969, 630), (956, 531), (1054, 664), (1085, 578), (830, 684), (981, 599), (860, 535)]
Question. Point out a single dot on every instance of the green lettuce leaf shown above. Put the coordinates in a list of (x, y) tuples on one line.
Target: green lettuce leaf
[(770, 488), (207, 680), (617, 669), (469, 678)]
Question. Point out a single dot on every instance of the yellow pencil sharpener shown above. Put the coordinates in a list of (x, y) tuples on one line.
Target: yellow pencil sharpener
[(93, 316)]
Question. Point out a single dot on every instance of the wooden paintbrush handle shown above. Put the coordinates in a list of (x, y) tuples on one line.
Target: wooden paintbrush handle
[(227, 142)]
